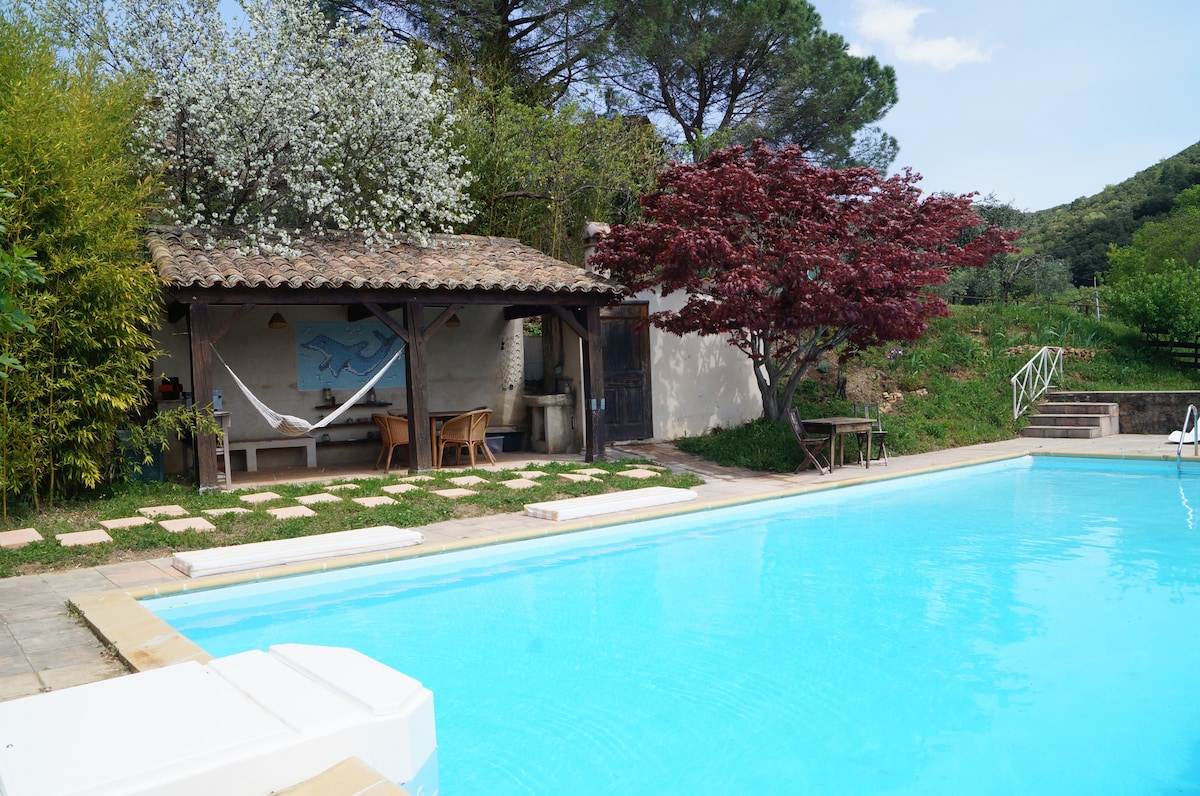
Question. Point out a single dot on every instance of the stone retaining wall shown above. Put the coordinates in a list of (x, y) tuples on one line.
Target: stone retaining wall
[(1141, 412)]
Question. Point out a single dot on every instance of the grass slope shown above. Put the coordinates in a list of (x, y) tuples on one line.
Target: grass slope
[(952, 387)]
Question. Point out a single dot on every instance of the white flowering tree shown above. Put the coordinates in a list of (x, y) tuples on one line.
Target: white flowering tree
[(283, 121)]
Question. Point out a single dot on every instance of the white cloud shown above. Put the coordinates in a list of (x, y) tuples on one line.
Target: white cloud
[(892, 24)]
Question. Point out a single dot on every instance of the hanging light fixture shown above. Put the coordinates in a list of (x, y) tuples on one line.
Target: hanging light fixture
[(453, 322), (277, 322)]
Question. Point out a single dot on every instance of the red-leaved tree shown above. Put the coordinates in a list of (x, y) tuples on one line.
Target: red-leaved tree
[(789, 260)]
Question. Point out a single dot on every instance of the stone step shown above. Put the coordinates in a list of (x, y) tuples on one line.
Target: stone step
[(1078, 408), (1106, 423), (1062, 432)]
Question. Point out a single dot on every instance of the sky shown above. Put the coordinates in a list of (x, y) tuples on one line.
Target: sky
[(1037, 102)]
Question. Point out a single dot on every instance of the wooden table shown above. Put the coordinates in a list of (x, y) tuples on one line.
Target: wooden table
[(837, 428)]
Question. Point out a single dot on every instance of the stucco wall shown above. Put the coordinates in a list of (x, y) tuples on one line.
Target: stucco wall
[(1140, 412), (479, 363), (698, 382)]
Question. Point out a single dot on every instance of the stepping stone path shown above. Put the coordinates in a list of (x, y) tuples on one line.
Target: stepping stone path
[(259, 497), (320, 497), (82, 538), (288, 512), (187, 524), (519, 483), (453, 493), (126, 522), (222, 512), (163, 511), (11, 540), (181, 522), (468, 480), (372, 502)]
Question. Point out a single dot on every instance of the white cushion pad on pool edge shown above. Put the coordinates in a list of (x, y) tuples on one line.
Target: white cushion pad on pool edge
[(236, 558), (592, 505)]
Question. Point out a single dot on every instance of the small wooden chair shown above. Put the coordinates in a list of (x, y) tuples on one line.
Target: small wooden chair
[(393, 431), (811, 447), (469, 431), (878, 436)]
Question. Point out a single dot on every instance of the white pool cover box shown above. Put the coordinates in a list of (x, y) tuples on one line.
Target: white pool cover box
[(250, 723)]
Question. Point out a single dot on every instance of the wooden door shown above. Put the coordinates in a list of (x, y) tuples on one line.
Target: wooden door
[(626, 372)]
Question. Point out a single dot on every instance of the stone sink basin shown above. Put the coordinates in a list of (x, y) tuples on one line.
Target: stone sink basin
[(559, 399)]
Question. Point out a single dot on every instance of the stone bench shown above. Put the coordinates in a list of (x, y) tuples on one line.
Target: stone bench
[(253, 446)]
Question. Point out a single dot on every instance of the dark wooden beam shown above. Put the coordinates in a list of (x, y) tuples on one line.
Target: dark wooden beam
[(201, 349), (420, 443), (595, 433), (238, 314), (325, 297), (512, 313), (387, 320), (570, 320)]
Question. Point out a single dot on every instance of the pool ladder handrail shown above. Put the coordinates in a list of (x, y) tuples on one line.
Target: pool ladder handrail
[(1193, 416)]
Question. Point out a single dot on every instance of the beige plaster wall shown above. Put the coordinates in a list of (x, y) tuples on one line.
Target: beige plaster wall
[(479, 363), (698, 382)]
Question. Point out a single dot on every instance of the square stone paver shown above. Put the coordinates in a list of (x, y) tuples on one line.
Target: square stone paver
[(19, 538), (592, 471), (454, 493), (82, 538), (529, 473), (416, 478), (400, 489), (372, 502), (319, 497), (163, 511), (287, 512), (259, 497), (518, 483), (125, 522), (577, 477), (468, 480), (230, 510), (638, 472), (187, 524), (334, 487)]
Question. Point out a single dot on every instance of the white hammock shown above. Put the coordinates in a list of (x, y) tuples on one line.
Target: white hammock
[(292, 426)]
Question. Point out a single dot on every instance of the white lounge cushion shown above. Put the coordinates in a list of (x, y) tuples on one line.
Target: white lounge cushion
[(592, 505), (237, 558)]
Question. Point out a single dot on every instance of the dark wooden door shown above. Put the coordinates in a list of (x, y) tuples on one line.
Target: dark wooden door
[(626, 372)]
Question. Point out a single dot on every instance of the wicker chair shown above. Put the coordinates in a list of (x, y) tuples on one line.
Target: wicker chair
[(393, 431), (469, 431)]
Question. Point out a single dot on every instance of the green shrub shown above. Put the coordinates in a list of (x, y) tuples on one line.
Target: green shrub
[(78, 207)]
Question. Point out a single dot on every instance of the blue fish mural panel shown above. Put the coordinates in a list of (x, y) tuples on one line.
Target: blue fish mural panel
[(346, 355)]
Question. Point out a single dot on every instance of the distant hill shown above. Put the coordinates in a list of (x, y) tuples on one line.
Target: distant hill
[(1080, 232)]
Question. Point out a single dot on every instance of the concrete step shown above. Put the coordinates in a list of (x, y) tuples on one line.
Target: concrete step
[(1074, 420), (1078, 408), (1062, 432)]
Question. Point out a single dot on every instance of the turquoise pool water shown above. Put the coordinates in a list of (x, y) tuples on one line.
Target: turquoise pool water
[(1030, 626)]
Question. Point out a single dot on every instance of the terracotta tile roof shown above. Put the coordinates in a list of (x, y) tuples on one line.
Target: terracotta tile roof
[(450, 262)]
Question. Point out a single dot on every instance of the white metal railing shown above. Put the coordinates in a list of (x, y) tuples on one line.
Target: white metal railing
[(1035, 378), (1183, 432)]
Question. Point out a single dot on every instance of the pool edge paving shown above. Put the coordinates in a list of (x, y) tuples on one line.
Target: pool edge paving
[(60, 651)]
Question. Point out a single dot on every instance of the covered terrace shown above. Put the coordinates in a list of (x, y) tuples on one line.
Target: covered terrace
[(413, 291)]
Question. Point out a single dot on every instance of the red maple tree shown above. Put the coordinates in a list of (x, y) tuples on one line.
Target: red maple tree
[(789, 260)]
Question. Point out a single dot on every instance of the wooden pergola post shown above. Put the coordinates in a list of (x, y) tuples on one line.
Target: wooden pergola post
[(201, 349)]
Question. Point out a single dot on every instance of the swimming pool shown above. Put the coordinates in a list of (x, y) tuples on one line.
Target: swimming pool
[(1028, 626)]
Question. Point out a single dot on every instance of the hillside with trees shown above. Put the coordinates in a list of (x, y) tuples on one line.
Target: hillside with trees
[(1081, 232)]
